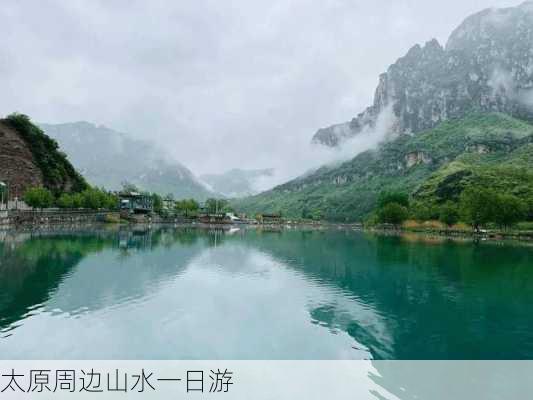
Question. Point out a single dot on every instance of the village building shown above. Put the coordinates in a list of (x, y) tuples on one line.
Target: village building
[(269, 219), (135, 203), (168, 203)]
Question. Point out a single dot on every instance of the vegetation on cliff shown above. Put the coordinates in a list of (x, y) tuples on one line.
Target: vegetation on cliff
[(58, 173), (434, 167)]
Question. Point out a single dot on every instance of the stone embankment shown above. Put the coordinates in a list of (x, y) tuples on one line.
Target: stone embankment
[(14, 218)]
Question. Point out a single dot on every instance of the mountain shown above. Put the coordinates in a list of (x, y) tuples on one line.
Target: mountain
[(434, 166), (486, 66), (29, 158), (109, 158), (456, 116), (238, 182)]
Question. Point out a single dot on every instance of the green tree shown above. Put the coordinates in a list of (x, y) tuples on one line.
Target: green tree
[(111, 201), (476, 206), (424, 212), (128, 187), (449, 214), (214, 206), (77, 200), (529, 203), (392, 213), (316, 215), (65, 201), (187, 207), (92, 198), (38, 197), (388, 197), (157, 202), (508, 210)]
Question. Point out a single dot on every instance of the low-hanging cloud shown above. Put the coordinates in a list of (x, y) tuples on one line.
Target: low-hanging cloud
[(215, 84), (312, 156), (503, 83)]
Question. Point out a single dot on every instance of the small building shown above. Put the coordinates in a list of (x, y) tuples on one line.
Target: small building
[(233, 218), (213, 218), (168, 203), (269, 219), (135, 203)]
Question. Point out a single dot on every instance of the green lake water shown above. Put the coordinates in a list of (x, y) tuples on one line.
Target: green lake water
[(189, 293)]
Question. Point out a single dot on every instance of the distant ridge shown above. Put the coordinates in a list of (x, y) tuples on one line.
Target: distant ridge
[(109, 158)]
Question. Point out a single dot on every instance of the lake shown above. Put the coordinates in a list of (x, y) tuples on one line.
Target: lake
[(191, 293)]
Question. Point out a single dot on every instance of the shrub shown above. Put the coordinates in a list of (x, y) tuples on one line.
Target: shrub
[(393, 197), (477, 206), (187, 207), (449, 214), (65, 201), (392, 213), (38, 197), (508, 210)]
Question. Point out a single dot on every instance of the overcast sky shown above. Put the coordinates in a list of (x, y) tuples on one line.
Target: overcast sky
[(216, 83)]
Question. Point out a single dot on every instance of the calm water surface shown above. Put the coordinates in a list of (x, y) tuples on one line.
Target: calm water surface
[(249, 294)]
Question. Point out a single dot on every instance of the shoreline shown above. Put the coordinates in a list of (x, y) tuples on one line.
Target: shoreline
[(410, 233)]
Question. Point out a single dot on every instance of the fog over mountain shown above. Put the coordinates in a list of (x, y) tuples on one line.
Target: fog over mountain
[(109, 159), (486, 66), (443, 119), (217, 85), (239, 183)]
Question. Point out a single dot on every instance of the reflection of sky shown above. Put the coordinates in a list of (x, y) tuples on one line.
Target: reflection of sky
[(228, 302), (197, 294)]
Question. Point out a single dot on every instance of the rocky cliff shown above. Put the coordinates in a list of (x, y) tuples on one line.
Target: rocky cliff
[(29, 158), (486, 66)]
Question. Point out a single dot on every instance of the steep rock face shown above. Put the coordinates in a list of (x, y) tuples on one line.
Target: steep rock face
[(415, 158), (18, 168), (487, 66), (29, 158)]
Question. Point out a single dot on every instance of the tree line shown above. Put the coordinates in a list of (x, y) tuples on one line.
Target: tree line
[(91, 198), (99, 198), (476, 206)]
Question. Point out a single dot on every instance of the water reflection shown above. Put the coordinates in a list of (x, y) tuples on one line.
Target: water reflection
[(253, 294)]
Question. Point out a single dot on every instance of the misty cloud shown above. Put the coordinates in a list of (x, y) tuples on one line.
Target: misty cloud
[(502, 82), (216, 84)]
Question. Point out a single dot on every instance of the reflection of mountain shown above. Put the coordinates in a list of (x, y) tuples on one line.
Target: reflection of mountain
[(437, 301), (286, 294), (113, 279), (32, 270)]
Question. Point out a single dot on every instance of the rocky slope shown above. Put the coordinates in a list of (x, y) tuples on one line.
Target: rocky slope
[(433, 166), (29, 158), (237, 182), (109, 158), (486, 66)]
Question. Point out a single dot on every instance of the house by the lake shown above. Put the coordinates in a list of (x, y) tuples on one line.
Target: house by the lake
[(169, 203), (269, 219), (135, 203)]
